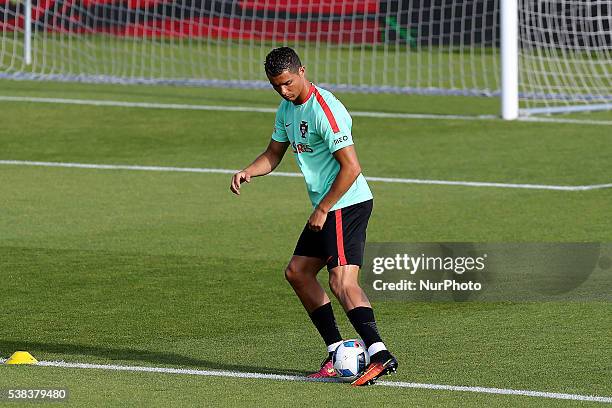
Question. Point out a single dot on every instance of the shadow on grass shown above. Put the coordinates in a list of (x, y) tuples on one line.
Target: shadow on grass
[(7, 347)]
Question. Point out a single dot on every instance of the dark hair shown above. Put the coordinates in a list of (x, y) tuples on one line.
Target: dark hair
[(282, 59)]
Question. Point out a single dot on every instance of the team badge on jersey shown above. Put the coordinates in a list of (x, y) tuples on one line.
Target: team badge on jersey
[(304, 129)]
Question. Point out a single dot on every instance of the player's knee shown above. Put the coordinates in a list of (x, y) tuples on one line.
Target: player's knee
[(292, 275)]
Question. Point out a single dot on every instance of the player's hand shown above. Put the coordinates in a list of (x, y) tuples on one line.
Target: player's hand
[(317, 219), (238, 179)]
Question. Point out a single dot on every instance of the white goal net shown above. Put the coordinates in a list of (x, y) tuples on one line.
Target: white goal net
[(445, 47), (565, 55)]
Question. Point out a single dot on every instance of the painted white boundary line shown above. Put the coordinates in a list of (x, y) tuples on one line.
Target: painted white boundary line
[(278, 377), (564, 120), (152, 105), (287, 174)]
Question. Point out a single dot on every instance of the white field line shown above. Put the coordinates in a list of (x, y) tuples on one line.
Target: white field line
[(287, 174), (279, 377), (153, 105), (547, 119)]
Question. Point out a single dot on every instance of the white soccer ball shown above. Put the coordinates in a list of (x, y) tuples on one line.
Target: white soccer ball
[(350, 359)]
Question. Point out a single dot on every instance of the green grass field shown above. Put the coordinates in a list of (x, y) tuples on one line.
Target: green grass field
[(169, 269)]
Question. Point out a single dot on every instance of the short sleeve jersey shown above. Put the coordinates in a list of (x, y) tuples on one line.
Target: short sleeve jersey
[(316, 129)]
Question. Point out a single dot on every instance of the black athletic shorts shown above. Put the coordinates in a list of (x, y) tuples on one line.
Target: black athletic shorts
[(342, 239)]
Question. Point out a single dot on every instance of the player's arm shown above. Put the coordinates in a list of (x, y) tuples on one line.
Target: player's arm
[(348, 173), (262, 165)]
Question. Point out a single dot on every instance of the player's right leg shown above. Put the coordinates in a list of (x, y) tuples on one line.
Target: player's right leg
[(344, 283), (302, 275)]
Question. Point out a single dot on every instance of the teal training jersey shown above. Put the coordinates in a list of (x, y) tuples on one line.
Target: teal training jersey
[(316, 129)]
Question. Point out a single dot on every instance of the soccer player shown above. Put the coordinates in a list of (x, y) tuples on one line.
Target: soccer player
[(317, 127)]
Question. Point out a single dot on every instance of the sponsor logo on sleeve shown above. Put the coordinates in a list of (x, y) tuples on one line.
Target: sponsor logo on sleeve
[(340, 140)]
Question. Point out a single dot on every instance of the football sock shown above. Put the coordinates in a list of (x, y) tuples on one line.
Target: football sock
[(362, 319), (325, 322), (376, 348), (380, 356)]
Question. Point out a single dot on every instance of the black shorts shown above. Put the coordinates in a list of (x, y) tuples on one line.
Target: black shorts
[(342, 239)]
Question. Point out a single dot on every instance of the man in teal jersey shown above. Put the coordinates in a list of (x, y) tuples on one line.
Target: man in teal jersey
[(318, 128)]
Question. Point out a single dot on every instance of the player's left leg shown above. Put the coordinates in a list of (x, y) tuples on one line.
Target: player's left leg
[(345, 243), (344, 283)]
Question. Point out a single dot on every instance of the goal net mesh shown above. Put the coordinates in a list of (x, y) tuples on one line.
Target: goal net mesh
[(445, 47)]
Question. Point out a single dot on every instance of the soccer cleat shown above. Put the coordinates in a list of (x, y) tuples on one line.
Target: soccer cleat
[(326, 371), (381, 363)]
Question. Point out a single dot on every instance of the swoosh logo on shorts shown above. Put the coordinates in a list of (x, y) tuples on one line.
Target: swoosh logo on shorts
[(287, 124)]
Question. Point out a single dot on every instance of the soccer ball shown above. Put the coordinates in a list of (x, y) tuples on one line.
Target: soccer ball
[(350, 359)]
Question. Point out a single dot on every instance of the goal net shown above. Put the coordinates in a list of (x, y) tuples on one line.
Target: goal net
[(443, 47), (565, 55)]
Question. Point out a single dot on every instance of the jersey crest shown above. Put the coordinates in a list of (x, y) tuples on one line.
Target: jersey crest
[(304, 129)]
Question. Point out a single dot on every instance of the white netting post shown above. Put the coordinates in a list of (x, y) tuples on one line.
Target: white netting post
[(509, 59), (27, 33)]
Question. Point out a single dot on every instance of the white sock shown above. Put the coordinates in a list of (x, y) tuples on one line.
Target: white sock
[(376, 347), (332, 347)]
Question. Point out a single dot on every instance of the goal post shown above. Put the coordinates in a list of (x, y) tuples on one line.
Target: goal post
[(27, 33), (536, 56), (509, 60)]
